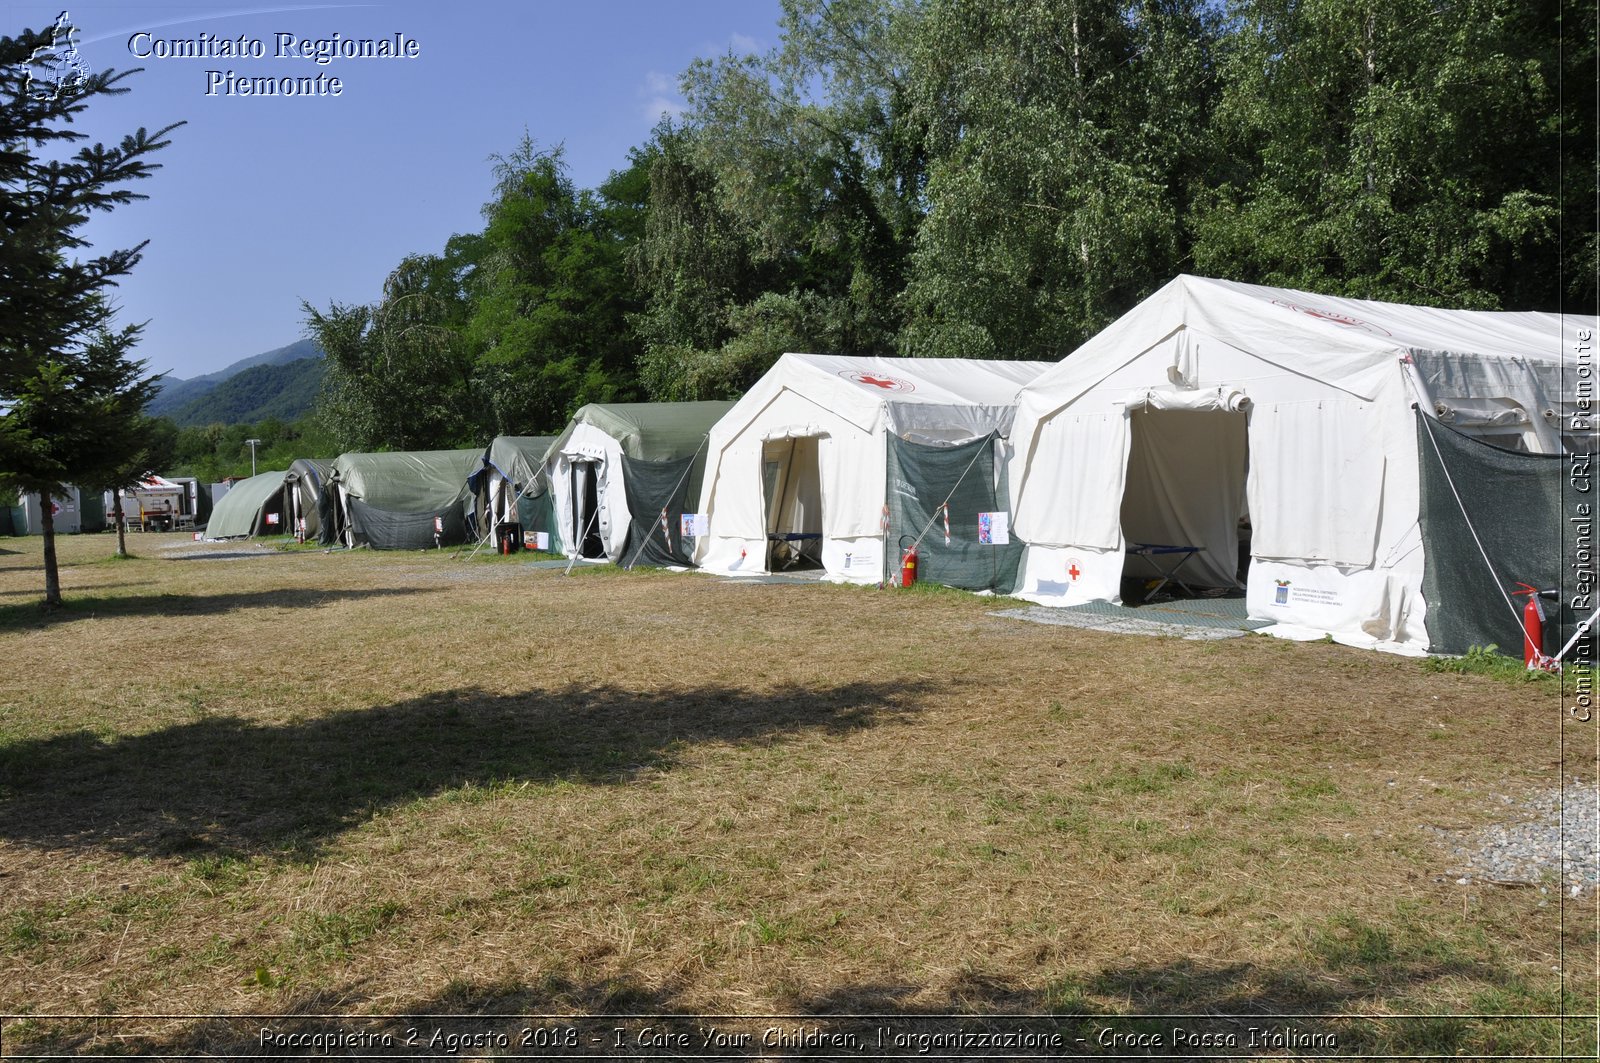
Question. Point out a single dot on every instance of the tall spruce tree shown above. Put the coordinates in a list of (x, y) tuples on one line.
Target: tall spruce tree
[(66, 387), (77, 418)]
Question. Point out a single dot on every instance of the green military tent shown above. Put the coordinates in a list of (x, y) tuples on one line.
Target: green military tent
[(405, 501), (622, 475), (511, 488), (251, 507), (302, 491)]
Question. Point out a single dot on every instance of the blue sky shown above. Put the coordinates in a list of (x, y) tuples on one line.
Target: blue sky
[(266, 201)]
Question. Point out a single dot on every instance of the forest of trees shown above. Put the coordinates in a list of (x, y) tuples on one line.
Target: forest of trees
[(945, 178)]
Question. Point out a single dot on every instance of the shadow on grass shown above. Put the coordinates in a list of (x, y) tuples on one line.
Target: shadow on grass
[(974, 1018), (34, 614), (229, 786)]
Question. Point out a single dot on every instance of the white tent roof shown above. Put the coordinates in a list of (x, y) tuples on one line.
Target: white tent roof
[(898, 394), (155, 485), (1351, 344)]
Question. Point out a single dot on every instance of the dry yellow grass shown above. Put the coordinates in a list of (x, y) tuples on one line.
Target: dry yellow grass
[(292, 782)]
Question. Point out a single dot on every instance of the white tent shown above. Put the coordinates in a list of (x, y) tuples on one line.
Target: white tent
[(1213, 407), (800, 460)]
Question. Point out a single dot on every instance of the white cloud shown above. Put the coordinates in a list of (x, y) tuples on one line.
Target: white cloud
[(660, 107), (743, 45), (661, 97)]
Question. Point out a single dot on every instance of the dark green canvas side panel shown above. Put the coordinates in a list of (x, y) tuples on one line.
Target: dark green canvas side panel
[(920, 478), (538, 514), (1513, 502), (650, 485), (383, 529)]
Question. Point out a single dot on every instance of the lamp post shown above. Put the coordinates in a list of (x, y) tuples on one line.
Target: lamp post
[(252, 443)]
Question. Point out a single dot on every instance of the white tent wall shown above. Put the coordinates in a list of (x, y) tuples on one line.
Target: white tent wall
[(1325, 386), (588, 444), (846, 405)]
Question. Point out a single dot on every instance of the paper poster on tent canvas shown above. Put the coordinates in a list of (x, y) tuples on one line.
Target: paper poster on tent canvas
[(994, 529)]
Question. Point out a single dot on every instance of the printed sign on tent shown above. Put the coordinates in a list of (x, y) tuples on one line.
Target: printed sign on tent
[(994, 529), (536, 540), (694, 525), (272, 518)]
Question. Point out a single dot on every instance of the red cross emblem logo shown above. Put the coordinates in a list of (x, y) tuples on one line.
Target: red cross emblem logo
[(1073, 571), (877, 380)]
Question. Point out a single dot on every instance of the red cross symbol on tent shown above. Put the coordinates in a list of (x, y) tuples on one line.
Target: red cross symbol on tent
[(1073, 570), (878, 382)]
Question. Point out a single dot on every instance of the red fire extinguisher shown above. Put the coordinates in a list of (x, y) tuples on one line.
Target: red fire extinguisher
[(908, 568), (1532, 627)]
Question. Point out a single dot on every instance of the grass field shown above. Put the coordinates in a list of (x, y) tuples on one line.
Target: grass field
[(243, 780)]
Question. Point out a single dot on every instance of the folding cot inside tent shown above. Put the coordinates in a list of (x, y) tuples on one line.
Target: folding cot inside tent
[(302, 490), (623, 474), (1217, 414), (404, 501), (797, 472), (252, 507), (511, 488)]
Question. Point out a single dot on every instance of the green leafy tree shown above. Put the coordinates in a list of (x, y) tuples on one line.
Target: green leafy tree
[(1067, 141), (142, 446), (1407, 150), (550, 293), (400, 373), (694, 263), (508, 331), (784, 208)]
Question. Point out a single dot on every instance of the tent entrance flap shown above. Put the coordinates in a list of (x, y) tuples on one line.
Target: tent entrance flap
[(586, 510), (792, 488), (1185, 487)]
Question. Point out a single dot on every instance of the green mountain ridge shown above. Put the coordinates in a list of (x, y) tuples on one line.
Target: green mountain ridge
[(177, 394), (286, 392)]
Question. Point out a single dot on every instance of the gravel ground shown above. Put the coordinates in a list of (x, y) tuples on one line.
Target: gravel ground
[(1528, 847), (1118, 625)]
